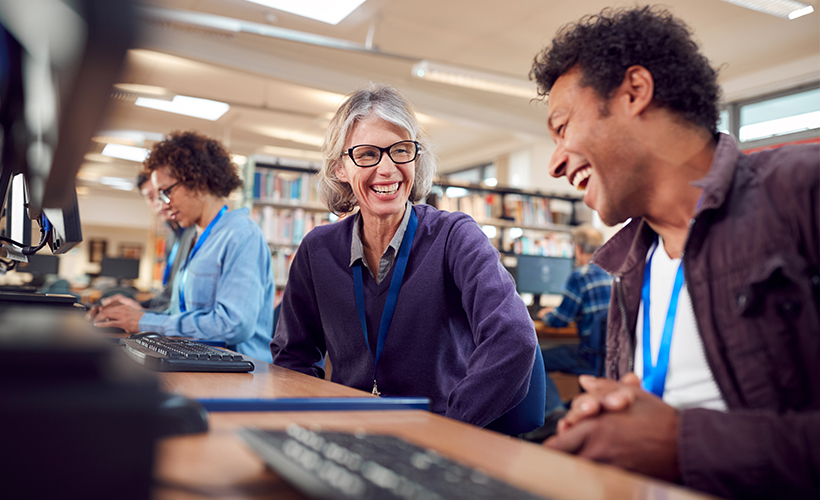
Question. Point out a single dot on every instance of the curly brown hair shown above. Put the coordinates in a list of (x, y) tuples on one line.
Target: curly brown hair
[(605, 45), (198, 162)]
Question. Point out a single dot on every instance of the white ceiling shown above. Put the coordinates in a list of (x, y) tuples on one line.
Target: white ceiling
[(282, 93)]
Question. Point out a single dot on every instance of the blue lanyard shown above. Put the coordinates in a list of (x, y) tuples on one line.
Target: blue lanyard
[(170, 262), (392, 294), (654, 377), (198, 244)]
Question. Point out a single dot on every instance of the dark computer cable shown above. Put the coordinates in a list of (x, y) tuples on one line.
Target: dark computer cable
[(45, 227)]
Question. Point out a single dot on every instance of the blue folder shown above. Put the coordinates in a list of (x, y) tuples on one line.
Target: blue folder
[(316, 404)]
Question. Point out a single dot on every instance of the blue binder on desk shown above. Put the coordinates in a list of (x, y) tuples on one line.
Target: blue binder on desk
[(316, 404)]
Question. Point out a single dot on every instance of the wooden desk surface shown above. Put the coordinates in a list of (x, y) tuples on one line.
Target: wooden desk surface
[(217, 464), (543, 331)]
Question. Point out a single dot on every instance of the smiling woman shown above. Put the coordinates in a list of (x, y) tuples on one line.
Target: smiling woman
[(436, 314)]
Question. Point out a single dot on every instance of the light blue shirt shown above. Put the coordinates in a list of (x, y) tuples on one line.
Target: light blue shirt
[(228, 290)]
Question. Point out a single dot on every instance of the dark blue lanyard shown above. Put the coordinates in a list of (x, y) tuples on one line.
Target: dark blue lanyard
[(392, 294), (198, 244), (654, 377), (170, 262)]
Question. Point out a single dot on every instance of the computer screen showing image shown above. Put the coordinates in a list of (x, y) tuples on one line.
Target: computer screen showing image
[(538, 274)]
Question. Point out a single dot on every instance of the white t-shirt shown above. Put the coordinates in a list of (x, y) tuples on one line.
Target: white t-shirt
[(689, 380)]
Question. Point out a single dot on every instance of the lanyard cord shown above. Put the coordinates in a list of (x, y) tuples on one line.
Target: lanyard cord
[(392, 294), (199, 243), (654, 376)]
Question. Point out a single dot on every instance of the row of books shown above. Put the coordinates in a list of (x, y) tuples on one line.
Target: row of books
[(283, 186), (553, 245), (287, 226), (281, 259), (533, 211)]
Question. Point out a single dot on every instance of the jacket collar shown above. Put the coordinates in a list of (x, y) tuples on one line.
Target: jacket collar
[(628, 247)]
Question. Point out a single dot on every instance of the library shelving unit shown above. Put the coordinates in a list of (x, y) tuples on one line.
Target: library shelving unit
[(517, 221), (281, 194)]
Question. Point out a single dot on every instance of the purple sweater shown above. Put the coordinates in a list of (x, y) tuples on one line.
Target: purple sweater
[(460, 334)]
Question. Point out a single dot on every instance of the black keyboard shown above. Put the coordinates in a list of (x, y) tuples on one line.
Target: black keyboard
[(170, 354), (330, 465)]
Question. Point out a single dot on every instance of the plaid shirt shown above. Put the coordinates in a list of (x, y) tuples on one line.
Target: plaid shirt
[(587, 292)]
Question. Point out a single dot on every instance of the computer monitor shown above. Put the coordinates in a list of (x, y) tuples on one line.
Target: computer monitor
[(58, 61), (128, 269), (41, 264), (538, 274)]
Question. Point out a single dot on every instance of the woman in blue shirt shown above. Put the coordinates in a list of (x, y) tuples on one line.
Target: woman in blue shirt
[(225, 289)]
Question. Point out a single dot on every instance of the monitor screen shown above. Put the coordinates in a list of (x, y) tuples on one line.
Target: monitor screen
[(542, 275), (41, 264), (120, 268)]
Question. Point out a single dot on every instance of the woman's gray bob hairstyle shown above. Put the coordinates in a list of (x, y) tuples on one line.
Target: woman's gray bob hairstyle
[(386, 102)]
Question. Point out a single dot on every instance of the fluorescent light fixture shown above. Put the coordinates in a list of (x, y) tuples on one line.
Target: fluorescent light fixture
[(780, 126), (124, 152), (189, 106), (291, 135), (327, 11), (127, 137), (516, 232), (117, 183), (138, 88), (473, 79), (785, 9), (490, 181)]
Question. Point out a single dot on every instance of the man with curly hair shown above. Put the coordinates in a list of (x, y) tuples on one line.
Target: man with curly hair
[(224, 290), (713, 340)]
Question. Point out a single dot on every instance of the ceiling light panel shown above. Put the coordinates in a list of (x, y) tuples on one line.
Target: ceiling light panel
[(123, 152), (785, 9), (326, 11), (188, 106), (472, 79)]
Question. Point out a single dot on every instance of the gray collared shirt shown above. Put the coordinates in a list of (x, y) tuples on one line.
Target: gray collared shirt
[(357, 247)]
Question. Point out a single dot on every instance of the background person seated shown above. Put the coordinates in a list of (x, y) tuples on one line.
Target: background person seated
[(585, 299), (225, 290)]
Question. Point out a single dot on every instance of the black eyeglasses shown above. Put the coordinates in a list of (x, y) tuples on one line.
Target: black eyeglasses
[(164, 195), (366, 155)]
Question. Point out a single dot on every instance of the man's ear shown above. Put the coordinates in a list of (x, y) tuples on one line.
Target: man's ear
[(637, 89)]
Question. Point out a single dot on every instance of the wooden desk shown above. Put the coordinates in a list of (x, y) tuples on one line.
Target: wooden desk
[(543, 331), (218, 465)]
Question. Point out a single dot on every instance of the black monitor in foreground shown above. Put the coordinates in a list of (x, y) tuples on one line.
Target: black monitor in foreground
[(538, 274), (128, 269)]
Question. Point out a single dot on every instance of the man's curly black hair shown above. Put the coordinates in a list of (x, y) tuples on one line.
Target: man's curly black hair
[(200, 163), (605, 45)]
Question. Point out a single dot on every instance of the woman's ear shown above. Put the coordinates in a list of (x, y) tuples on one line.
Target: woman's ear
[(340, 171)]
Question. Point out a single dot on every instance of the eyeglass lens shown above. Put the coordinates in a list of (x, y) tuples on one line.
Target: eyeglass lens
[(164, 194), (368, 156)]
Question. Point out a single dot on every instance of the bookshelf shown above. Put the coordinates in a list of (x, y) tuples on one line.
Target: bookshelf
[(516, 221), (283, 201)]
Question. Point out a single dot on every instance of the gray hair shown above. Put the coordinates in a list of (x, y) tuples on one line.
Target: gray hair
[(388, 104), (588, 238)]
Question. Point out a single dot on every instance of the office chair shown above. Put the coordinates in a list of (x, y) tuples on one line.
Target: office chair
[(529, 413)]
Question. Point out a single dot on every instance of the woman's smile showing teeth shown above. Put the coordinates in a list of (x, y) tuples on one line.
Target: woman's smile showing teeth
[(386, 188)]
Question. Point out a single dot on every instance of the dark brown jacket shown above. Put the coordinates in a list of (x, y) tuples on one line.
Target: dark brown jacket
[(752, 267)]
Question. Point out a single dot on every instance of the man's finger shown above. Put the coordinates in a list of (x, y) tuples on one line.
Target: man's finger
[(583, 406), (572, 440)]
